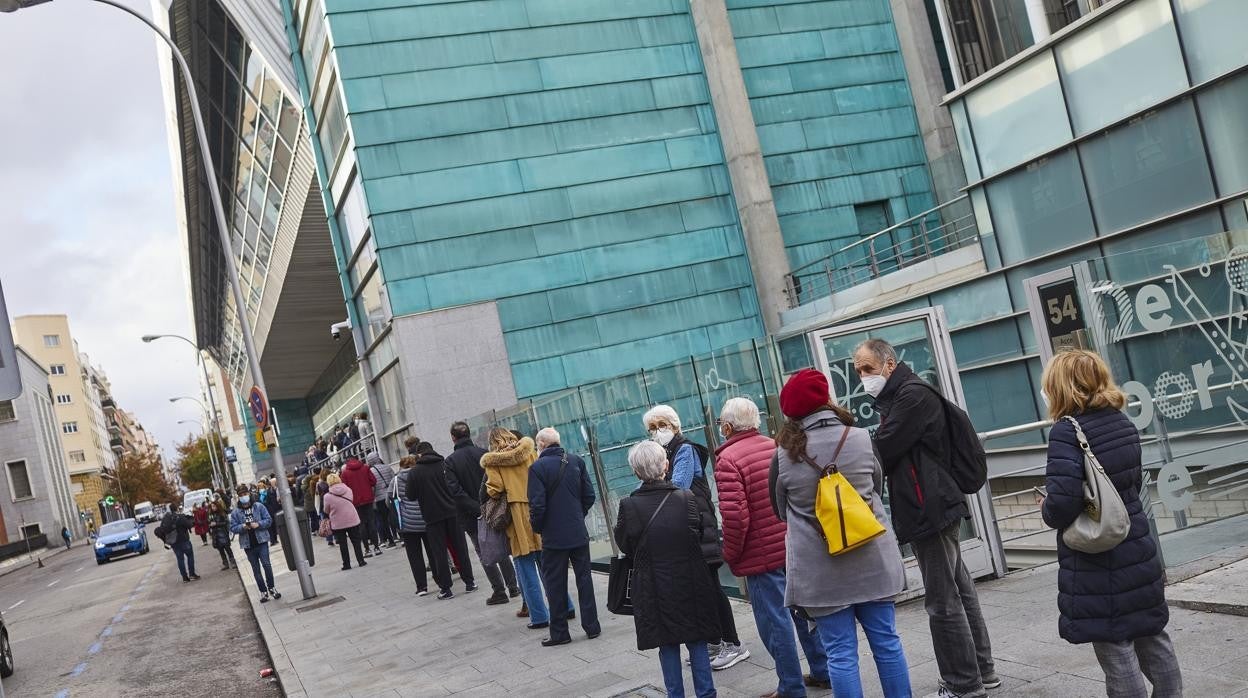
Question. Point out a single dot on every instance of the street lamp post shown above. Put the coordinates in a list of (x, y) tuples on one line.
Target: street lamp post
[(201, 426), (231, 267), (226, 473), (212, 447)]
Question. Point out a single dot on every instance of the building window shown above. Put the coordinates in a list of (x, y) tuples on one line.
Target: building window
[(51, 340), (31, 530), (19, 480), (6, 411), (77, 457), (64, 399), (58, 369), (69, 427)]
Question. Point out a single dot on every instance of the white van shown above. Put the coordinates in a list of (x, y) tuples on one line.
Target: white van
[(190, 499), (144, 512)]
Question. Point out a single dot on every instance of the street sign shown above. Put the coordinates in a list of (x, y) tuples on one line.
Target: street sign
[(259, 407), (10, 371), (231, 456), (109, 500), (261, 444)]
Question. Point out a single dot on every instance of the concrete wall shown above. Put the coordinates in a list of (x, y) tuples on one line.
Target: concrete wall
[(454, 365), (33, 437)]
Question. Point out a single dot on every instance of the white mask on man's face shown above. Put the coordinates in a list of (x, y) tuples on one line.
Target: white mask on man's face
[(663, 436), (873, 384)]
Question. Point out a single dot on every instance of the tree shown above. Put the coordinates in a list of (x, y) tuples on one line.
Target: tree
[(140, 479), (195, 464)]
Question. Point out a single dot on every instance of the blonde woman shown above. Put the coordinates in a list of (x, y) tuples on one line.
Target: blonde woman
[(1115, 599), (344, 519), (507, 473)]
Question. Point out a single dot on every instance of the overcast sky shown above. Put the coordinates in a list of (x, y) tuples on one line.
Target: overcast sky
[(86, 200)]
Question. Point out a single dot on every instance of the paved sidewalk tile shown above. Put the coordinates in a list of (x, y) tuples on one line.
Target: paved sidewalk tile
[(383, 640)]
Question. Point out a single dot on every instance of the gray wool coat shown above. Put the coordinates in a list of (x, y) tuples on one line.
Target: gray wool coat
[(818, 581)]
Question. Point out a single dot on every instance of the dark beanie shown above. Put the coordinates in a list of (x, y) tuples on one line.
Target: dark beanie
[(804, 393)]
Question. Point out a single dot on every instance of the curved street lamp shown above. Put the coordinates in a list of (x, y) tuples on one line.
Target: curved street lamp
[(231, 266)]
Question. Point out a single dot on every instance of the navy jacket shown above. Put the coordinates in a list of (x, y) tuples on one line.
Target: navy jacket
[(557, 508), (1119, 594)]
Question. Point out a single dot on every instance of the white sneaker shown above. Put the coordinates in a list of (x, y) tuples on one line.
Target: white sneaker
[(730, 655), (712, 650)]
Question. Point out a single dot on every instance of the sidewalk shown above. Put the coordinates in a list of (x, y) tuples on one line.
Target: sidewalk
[(368, 634), (24, 560)]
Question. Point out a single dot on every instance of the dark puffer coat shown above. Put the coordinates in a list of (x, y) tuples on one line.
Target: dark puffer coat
[(674, 598), (1119, 594)]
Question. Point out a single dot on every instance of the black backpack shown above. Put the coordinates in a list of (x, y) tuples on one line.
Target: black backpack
[(968, 464)]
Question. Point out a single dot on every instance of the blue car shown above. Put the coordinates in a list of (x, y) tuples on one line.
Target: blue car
[(121, 537)]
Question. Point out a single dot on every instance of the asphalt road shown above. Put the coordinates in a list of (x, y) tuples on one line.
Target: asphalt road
[(132, 627)]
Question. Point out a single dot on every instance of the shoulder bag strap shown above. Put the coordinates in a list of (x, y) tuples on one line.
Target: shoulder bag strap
[(645, 531), (831, 467)]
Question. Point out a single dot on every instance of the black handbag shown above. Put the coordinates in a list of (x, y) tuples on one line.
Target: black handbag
[(620, 576)]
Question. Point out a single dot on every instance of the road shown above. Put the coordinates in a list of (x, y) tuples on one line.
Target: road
[(132, 627)]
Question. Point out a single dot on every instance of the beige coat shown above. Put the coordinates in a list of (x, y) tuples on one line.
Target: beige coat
[(508, 472)]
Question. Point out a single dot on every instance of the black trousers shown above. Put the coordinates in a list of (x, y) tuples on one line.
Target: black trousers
[(384, 511), (555, 578), (727, 624), (354, 534), (417, 547), (439, 535), (368, 527)]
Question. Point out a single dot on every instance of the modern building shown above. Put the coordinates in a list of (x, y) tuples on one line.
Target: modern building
[(80, 407), (262, 155), (35, 492)]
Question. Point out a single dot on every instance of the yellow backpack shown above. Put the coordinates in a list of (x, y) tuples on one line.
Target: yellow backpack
[(845, 519)]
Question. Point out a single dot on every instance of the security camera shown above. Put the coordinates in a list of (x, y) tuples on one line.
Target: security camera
[(338, 328)]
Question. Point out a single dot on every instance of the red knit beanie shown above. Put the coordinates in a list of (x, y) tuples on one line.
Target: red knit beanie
[(804, 393)]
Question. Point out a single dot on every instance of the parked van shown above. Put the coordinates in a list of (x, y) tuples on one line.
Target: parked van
[(145, 512)]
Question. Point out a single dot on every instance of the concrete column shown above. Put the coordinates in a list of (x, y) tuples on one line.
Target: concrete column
[(1039, 21), (927, 88), (768, 260)]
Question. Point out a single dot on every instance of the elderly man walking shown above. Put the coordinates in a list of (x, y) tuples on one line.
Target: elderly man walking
[(754, 546), (927, 508), (560, 496)]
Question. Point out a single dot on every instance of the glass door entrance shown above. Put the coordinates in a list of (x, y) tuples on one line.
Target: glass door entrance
[(922, 342)]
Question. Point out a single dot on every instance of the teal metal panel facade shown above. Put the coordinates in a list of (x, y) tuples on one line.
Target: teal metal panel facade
[(560, 158), (835, 117)]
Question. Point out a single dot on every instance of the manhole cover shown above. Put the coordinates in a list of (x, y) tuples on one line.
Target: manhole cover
[(319, 604), (645, 691)]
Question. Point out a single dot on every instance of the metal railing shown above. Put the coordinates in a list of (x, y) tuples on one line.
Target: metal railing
[(936, 231), (358, 449)]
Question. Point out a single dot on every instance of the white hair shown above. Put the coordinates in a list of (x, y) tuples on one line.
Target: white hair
[(546, 437), (741, 414), (661, 412), (648, 461)]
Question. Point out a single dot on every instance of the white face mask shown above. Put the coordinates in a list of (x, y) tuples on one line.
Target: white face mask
[(873, 384), (663, 436)]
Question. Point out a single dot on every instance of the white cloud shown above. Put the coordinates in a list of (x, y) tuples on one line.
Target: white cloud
[(86, 204)]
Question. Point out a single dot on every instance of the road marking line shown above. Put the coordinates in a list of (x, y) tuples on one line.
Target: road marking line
[(78, 570), (82, 666), (54, 583), (93, 649), (19, 603)]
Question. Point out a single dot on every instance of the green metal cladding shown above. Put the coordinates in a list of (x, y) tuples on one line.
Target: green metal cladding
[(835, 117), (562, 158)]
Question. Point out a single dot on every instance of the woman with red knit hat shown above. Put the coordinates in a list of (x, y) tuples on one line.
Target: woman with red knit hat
[(855, 587)]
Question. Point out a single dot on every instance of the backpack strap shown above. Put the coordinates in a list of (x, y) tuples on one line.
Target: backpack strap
[(831, 467)]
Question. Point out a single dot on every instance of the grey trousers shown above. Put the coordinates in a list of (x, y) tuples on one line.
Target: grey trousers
[(1126, 664), (959, 634), (502, 575)]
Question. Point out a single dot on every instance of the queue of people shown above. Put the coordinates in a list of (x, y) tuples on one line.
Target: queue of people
[(523, 503)]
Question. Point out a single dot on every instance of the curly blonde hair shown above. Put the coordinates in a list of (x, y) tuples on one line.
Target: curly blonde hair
[(1077, 381)]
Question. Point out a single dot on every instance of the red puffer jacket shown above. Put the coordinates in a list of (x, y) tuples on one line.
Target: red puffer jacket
[(753, 536)]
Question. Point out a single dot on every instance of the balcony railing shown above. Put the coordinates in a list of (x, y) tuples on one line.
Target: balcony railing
[(108, 404), (359, 449), (945, 228)]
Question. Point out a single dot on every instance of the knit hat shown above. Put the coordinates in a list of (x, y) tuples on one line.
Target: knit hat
[(804, 393)]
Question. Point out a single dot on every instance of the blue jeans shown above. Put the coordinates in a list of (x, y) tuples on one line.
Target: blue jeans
[(528, 574), (699, 663), (185, 552), (811, 646), (775, 629), (258, 556), (839, 635)]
